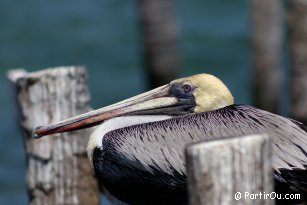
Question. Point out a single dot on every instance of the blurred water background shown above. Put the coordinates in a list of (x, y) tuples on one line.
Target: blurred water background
[(104, 36)]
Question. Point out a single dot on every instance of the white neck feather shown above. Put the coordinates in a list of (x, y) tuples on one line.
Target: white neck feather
[(96, 137)]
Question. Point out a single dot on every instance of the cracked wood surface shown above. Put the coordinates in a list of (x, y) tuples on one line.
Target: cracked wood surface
[(58, 170), (218, 169)]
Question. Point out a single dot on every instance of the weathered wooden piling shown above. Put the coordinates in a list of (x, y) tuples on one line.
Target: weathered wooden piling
[(266, 43), (58, 170), (230, 171)]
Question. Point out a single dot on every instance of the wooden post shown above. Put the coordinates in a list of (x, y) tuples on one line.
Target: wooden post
[(221, 171), (266, 42), (298, 59), (159, 33), (58, 170)]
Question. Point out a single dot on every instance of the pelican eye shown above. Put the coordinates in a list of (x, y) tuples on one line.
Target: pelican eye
[(186, 88)]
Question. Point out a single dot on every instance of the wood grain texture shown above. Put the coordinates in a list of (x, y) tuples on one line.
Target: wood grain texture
[(218, 169), (58, 170)]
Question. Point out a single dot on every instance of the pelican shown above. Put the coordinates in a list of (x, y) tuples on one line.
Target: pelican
[(137, 151)]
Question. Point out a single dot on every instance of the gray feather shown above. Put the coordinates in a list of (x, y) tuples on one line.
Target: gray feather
[(161, 144)]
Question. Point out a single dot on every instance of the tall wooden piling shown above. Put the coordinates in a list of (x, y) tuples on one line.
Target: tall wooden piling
[(297, 24), (266, 43), (230, 171), (58, 171), (159, 34)]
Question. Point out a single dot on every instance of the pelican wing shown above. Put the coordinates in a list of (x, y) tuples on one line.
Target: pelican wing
[(157, 148), (162, 143)]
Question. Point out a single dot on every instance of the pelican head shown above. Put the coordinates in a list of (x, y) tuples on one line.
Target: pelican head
[(209, 92), (197, 93)]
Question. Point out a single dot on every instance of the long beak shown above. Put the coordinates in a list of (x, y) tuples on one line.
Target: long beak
[(157, 101)]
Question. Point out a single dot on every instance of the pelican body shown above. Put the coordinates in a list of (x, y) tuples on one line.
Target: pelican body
[(137, 152)]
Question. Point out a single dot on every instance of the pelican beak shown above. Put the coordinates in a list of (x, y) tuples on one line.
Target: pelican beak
[(156, 101)]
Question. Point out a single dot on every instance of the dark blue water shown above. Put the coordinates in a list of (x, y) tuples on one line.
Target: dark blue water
[(103, 35)]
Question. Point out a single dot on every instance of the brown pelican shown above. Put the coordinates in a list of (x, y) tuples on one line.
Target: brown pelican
[(138, 150)]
